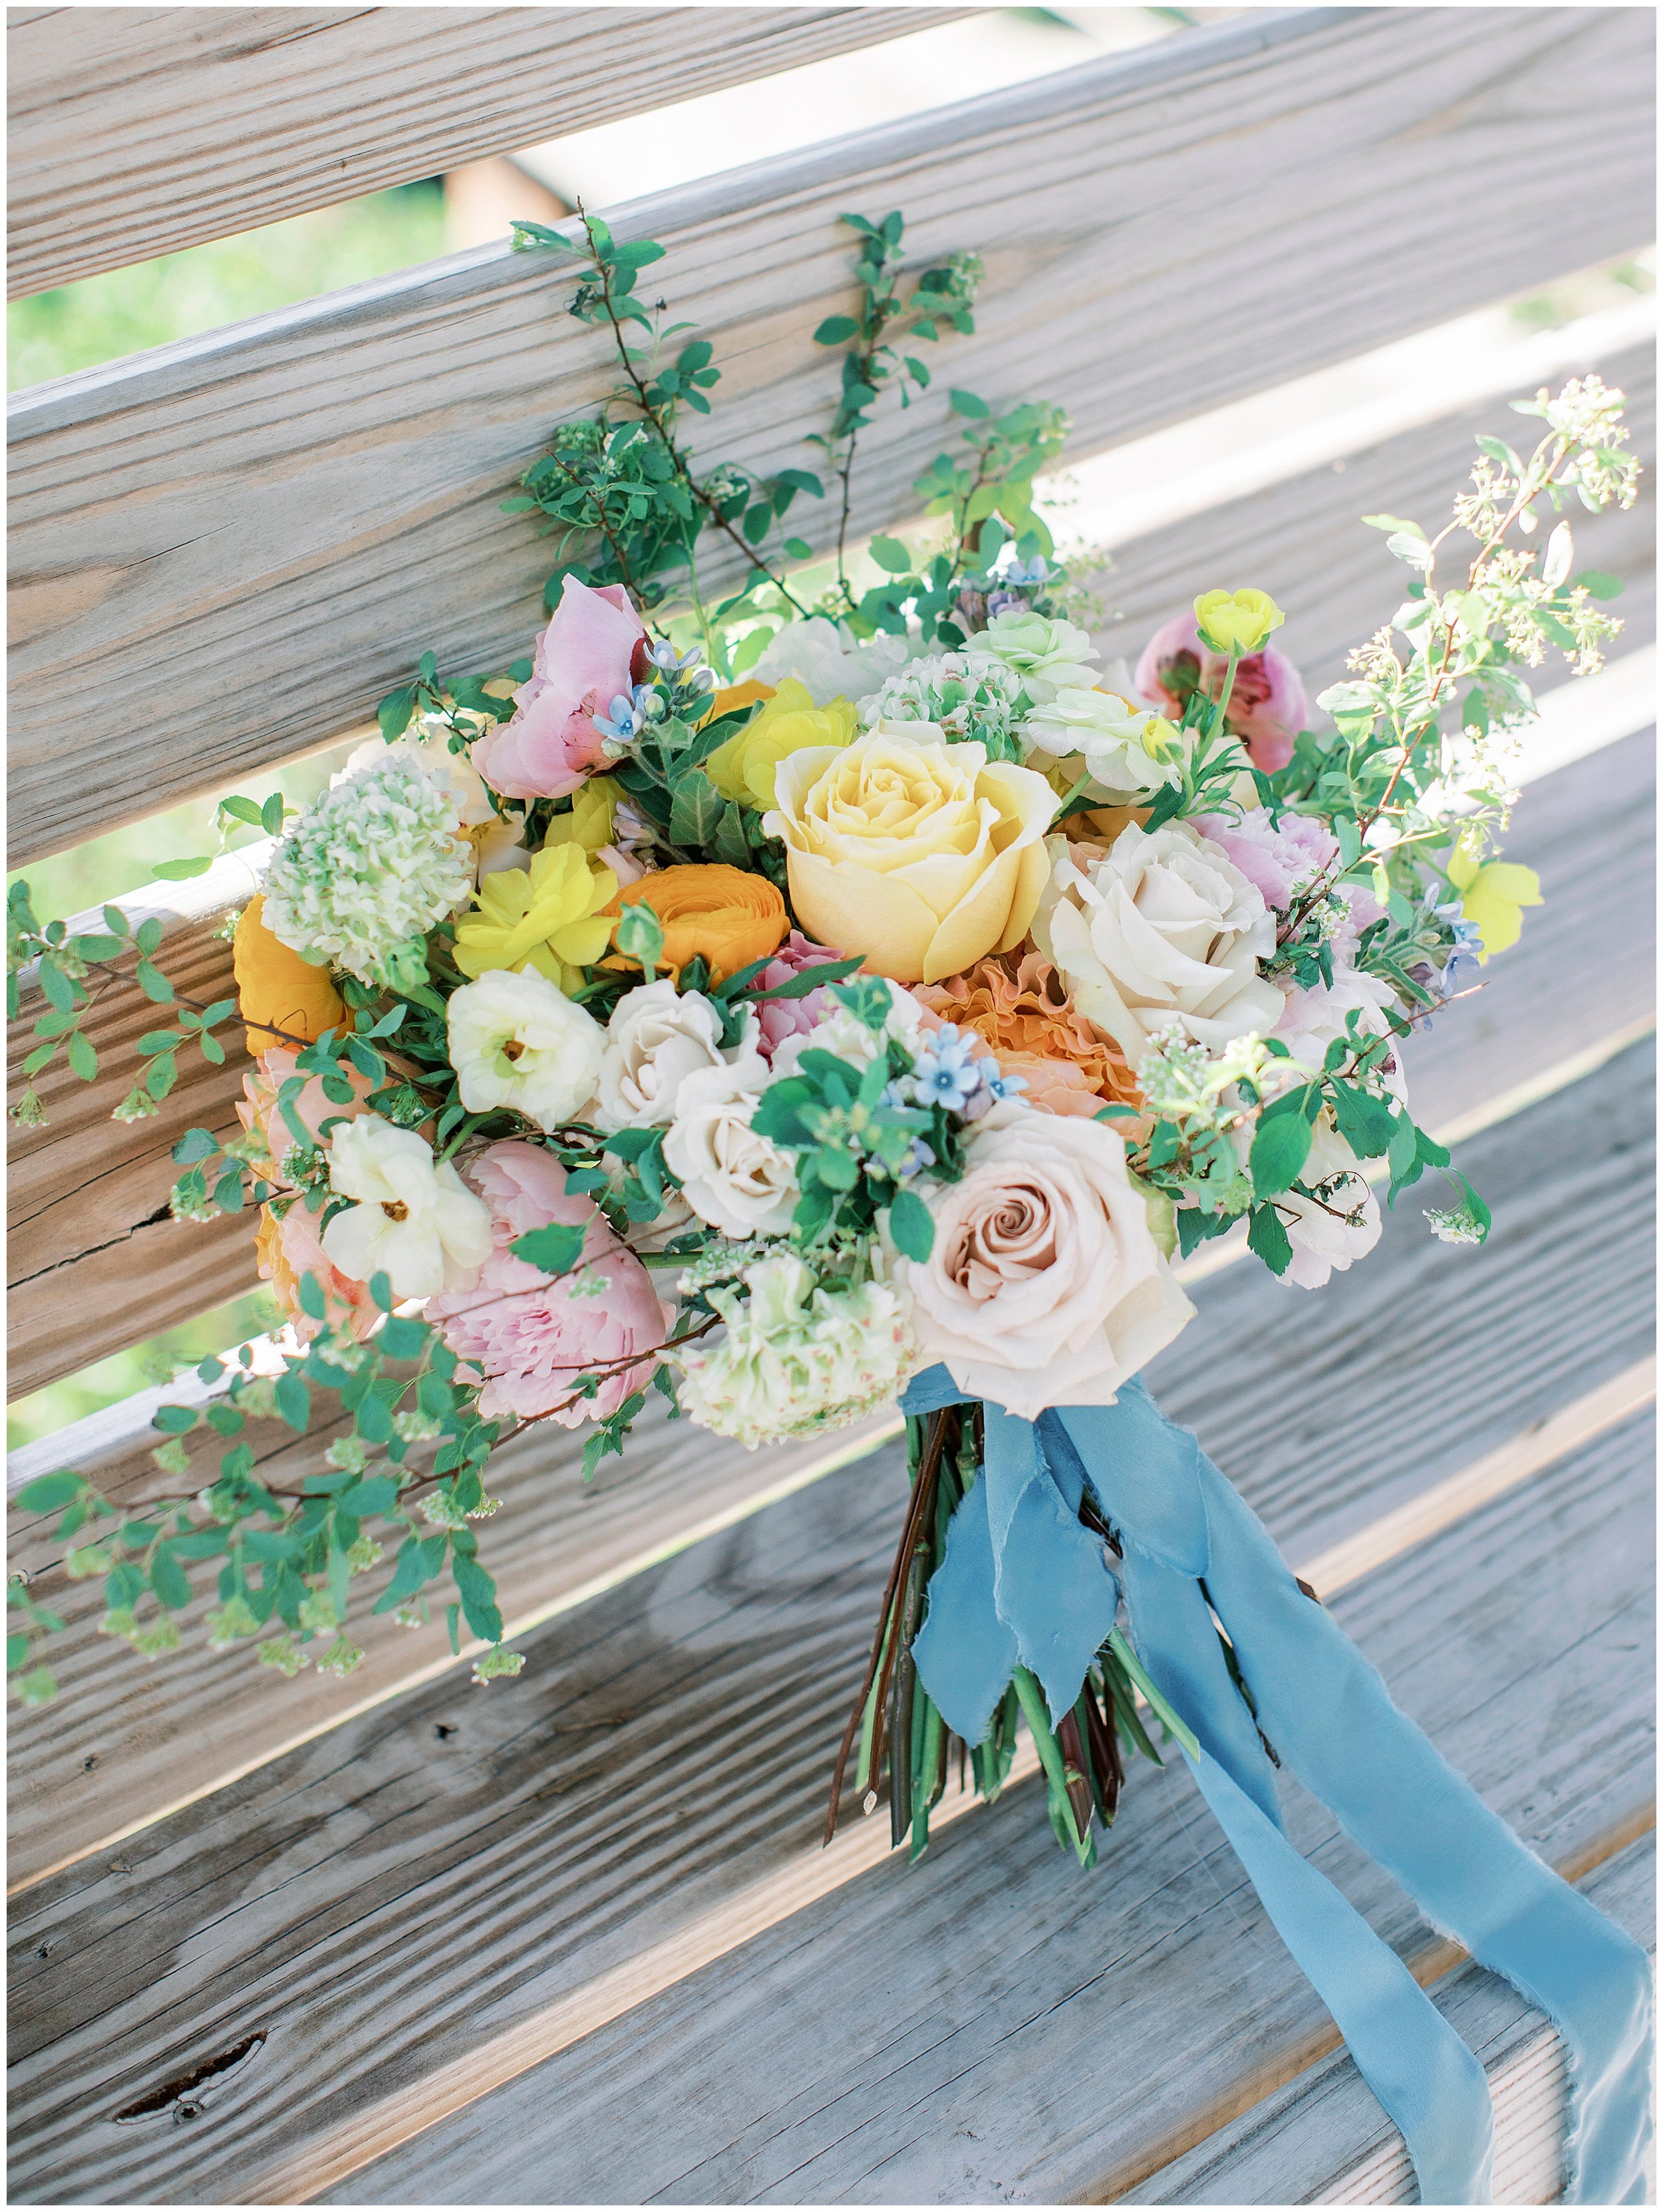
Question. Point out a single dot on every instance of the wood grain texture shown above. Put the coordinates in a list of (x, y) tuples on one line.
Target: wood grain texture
[(1322, 2139), (305, 1898), (83, 1187), (990, 2026), (136, 130), (230, 548)]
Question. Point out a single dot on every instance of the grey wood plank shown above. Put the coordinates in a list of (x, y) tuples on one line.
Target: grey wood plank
[(85, 1192), (340, 1898), (229, 549), (991, 2027), (1322, 2139), (133, 131)]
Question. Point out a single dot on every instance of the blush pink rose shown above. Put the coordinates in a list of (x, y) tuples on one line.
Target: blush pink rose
[(530, 1334), (1268, 708), (779, 1019), (584, 660)]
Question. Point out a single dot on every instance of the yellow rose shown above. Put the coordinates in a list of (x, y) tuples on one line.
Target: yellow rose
[(1493, 892), (743, 769), (546, 917), (1237, 622), (918, 855), (590, 822)]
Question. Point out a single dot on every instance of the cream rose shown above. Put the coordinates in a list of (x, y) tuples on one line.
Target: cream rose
[(741, 1184), (656, 1038), (1163, 926), (1044, 1285), (918, 855)]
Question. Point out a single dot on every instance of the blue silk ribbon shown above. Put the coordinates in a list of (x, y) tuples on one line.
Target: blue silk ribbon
[(1023, 1582)]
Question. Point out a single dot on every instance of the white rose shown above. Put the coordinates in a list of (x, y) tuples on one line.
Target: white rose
[(1163, 926), (417, 1223), (742, 1184), (517, 1041), (656, 1038), (825, 656), (1045, 653), (1044, 1285), (1339, 1223)]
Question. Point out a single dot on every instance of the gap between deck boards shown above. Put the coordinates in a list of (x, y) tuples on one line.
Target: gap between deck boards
[(864, 1846)]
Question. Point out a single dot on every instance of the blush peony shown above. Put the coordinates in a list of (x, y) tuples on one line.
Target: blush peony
[(1268, 708), (584, 660)]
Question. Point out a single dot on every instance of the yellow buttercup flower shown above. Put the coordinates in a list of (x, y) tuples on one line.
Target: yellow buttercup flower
[(590, 822), (546, 917), (1237, 621), (1493, 894), (743, 769)]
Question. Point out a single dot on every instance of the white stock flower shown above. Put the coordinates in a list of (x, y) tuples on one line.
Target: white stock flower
[(1045, 653), (825, 656), (413, 1221), (371, 865), (1339, 1223), (1126, 749), (655, 1039), (1162, 927), (742, 1184), (796, 1358), (517, 1041)]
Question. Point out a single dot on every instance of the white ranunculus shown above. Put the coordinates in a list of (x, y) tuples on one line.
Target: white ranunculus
[(656, 1038), (1339, 1223), (1045, 1285), (1045, 652), (415, 1222), (741, 1184), (1126, 750), (825, 656), (517, 1041), (1162, 927)]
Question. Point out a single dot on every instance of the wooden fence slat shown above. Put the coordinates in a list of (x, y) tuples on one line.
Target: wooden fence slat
[(332, 1901), (136, 130), (1322, 2139), (81, 1189), (227, 550), (989, 2026), (198, 1720)]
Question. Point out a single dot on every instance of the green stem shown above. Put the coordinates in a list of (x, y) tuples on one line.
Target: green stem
[(1183, 1736)]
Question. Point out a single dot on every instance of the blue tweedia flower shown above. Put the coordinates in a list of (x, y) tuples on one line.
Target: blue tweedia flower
[(918, 1159), (945, 1071), (1027, 572), (621, 723), (673, 663), (999, 1084)]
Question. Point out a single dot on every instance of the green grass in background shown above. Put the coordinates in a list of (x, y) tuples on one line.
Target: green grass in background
[(204, 287)]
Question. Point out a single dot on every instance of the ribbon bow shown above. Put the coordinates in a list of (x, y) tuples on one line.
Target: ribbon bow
[(1022, 1581)]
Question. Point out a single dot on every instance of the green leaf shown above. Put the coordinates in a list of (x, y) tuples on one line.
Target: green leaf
[(176, 871), (173, 1420), (1600, 586), (910, 1226), (1281, 1145), (1395, 522), (83, 1061), (169, 1580), (241, 809), (272, 814), (1369, 1124), (154, 984), (478, 1595), (147, 935), (394, 712), (554, 1248), (835, 329), (694, 810), (403, 1338), (890, 553), (967, 402), (309, 1292), (1269, 1238), (47, 1492)]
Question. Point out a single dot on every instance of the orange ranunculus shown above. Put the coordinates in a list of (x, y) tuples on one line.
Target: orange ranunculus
[(727, 914), (735, 695), (281, 997), (1024, 1010)]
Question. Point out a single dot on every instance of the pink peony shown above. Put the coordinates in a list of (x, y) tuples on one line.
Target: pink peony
[(1268, 707), (584, 660), (531, 1335), (779, 1019), (1273, 858)]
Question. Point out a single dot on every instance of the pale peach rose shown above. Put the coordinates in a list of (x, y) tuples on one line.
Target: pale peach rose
[(287, 1249), (916, 854), (1044, 1285), (259, 1111)]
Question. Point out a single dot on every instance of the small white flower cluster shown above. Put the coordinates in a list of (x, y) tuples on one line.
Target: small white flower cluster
[(372, 865), (1453, 1225), (798, 1357)]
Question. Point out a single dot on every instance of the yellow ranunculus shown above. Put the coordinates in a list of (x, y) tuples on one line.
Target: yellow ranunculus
[(283, 999), (919, 856), (1493, 893), (590, 822), (743, 769), (546, 917), (1237, 621), (734, 695)]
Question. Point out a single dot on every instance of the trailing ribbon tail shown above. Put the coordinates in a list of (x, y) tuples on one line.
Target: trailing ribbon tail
[(1023, 1580)]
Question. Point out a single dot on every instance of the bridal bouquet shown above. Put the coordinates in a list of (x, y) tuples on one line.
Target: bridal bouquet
[(818, 995)]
